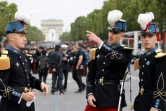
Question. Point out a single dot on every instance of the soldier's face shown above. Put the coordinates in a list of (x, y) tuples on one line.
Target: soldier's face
[(148, 41), (18, 41), (115, 38)]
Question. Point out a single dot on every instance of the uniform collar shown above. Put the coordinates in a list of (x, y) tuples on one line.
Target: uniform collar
[(115, 46), (13, 49), (150, 51)]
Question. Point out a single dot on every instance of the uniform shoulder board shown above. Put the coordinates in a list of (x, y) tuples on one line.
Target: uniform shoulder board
[(4, 60), (29, 55), (92, 54), (159, 53), (136, 64), (127, 48), (123, 45)]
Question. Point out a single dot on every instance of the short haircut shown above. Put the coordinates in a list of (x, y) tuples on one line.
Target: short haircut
[(57, 47), (80, 43)]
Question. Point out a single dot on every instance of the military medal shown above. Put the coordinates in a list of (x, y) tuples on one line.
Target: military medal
[(17, 64), (25, 60), (98, 56)]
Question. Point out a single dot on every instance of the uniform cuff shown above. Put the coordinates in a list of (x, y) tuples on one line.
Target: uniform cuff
[(101, 45), (37, 84), (89, 90), (156, 103)]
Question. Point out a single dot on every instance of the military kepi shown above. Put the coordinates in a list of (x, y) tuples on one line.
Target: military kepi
[(18, 26), (116, 23), (15, 27), (147, 28)]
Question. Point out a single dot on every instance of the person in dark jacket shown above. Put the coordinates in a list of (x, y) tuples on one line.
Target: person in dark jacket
[(43, 66), (16, 81), (152, 75), (107, 67), (55, 63), (79, 67), (65, 65)]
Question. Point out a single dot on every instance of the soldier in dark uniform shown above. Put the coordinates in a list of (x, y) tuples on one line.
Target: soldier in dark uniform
[(152, 89), (16, 81), (107, 67)]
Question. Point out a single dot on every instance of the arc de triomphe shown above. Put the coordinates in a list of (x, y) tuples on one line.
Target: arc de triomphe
[(52, 29)]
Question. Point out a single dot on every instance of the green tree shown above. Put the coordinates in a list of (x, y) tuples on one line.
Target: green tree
[(6, 14), (96, 21), (34, 34), (65, 37)]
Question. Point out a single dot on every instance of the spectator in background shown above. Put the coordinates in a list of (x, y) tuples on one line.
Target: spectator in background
[(43, 66), (87, 48), (87, 58), (78, 67), (65, 64), (36, 60), (1, 49), (72, 59), (55, 63)]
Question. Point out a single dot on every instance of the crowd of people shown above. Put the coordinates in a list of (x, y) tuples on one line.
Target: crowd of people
[(64, 59)]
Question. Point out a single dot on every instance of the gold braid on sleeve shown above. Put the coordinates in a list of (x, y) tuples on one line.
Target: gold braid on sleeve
[(160, 92), (6, 90)]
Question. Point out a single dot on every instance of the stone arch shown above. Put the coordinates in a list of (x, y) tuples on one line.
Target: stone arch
[(52, 26)]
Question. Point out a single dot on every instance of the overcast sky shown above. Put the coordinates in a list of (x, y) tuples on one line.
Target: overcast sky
[(66, 10)]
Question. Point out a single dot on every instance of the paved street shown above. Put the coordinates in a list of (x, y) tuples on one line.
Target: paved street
[(71, 101)]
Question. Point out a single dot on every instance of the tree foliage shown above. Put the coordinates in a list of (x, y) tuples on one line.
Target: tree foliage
[(34, 34), (96, 21), (7, 12)]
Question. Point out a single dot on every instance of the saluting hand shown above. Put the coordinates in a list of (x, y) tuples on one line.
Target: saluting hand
[(28, 96), (91, 98), (44, 87), (93, 37)]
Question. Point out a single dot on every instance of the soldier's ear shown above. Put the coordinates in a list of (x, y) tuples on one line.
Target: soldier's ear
[(122, 35), (155, 38), (11, 37)]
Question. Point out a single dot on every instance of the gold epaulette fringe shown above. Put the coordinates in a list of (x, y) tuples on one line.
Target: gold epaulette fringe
[(92, 54), (159, 53), (4, 61), (131, 106), (136, 64), (29, 55), (129, 48)]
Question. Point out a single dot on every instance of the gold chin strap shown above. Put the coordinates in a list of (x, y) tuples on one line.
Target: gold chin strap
[(4, 61)]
